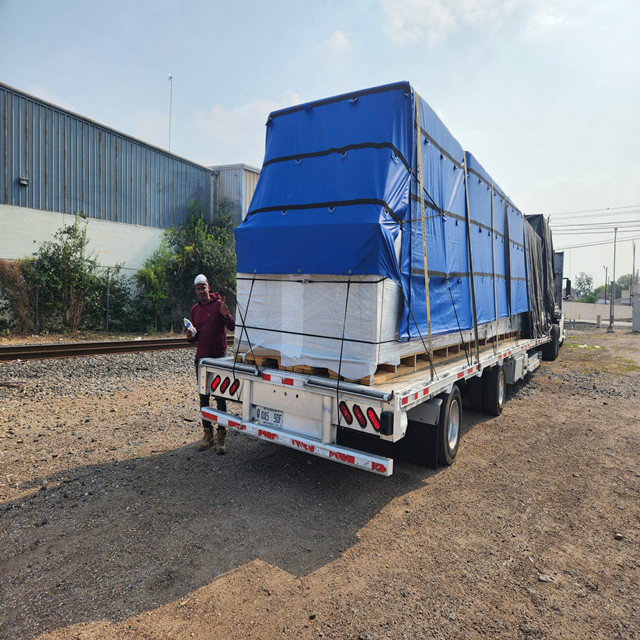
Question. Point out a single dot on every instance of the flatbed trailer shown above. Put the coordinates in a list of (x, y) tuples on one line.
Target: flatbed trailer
[(308, 412), (382, 275)]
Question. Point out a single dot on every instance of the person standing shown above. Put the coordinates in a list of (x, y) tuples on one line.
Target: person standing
[(211, 318)]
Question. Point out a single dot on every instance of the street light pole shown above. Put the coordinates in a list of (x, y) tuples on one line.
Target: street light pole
[(633, 275), (613, 282), (170, 106), (606, 281)]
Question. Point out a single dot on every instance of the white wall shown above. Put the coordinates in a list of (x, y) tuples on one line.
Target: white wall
[(590, 312), (22, 230)]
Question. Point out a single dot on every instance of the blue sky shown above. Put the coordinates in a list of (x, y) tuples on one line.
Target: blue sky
[(545, 94)]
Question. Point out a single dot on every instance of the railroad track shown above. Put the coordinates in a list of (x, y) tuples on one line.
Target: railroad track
[(72, 349)]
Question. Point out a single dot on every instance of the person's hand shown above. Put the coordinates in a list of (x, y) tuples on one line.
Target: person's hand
[(224, 310)]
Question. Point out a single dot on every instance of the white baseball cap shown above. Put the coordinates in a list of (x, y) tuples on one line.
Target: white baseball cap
[(200, 279)]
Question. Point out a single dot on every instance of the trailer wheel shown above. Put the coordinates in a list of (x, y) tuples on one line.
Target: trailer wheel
[(449, 427), (550, 349), (493, 390)]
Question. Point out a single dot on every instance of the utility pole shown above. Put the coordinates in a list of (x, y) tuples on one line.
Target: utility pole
[(633, 275), (170, 106), (606, 281), (613, 282)]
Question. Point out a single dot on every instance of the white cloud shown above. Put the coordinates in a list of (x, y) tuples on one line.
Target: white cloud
[(411, 21), (550, 20), (336, 46), (229, 135)]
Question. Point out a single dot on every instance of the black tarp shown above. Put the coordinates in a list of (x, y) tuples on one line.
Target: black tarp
[(541, 275)]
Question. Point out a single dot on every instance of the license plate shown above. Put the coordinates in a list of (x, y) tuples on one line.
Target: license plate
[(269, 417)]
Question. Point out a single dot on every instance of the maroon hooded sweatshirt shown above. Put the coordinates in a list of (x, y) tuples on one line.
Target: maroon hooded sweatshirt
[(211, 326)]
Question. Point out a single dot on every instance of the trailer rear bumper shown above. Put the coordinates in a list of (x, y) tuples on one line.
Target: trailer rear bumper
[(351, 457)]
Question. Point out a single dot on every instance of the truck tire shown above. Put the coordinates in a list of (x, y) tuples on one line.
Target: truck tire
[(448, 428), (550, 349), (493, 390)]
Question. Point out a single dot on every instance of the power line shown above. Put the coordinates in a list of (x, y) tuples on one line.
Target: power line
[(604, 209), (595, 244), (611, 218), (593, 232), (596, 225)]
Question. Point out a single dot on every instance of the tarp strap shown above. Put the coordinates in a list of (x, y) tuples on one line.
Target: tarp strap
[(464, 343), (344, 326), (340, 150), (471, 278), (493, 258), (424, 231), (306, 334), (244, 327), (526, 275), (408, 306), (327, 205), (507, 260)]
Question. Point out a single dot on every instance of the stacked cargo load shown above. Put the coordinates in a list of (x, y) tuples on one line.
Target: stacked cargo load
[(374, 243)]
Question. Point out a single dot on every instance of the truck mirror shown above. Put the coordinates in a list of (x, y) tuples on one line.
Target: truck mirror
[(567, 289)]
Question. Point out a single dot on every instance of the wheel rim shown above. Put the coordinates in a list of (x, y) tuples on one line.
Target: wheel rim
[(453, 426), (501, 388)]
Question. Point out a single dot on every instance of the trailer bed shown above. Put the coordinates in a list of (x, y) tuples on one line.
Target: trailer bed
[(304, 412)]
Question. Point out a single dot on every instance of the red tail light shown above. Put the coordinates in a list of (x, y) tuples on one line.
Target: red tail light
[(346, 414), (373, 419), (234, 386), (224, 385), (215, 383), (357, 411)]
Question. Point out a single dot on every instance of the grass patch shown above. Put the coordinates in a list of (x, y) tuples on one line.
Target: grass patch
[(626, 366), (586, 347)]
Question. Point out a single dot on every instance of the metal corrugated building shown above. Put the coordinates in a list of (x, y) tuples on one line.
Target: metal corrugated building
[(54, 160), (236, 184)]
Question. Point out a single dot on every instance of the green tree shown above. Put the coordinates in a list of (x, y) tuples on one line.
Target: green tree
[(583, 285), (67, 287), (153, 284), (166, 281), (15, 304), (61, 276), (623, 283)]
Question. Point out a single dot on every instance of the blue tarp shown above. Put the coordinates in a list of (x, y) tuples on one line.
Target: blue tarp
[(339, 194)]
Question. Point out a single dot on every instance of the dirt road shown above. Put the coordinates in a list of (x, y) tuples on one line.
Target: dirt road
[(113, 526)]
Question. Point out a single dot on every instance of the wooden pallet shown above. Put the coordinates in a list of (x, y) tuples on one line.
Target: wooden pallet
[(408, 364)]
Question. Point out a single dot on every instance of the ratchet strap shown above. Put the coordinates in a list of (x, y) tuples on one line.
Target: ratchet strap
[(424, 232), (471, 277)]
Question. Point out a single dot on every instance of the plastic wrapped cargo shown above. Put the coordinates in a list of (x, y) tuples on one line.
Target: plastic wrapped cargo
[(359, 196)]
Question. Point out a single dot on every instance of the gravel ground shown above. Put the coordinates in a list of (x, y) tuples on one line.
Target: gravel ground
[(112, 525)]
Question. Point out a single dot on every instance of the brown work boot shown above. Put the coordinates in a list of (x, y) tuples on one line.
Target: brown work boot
[(207, 439), (221, 447)]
